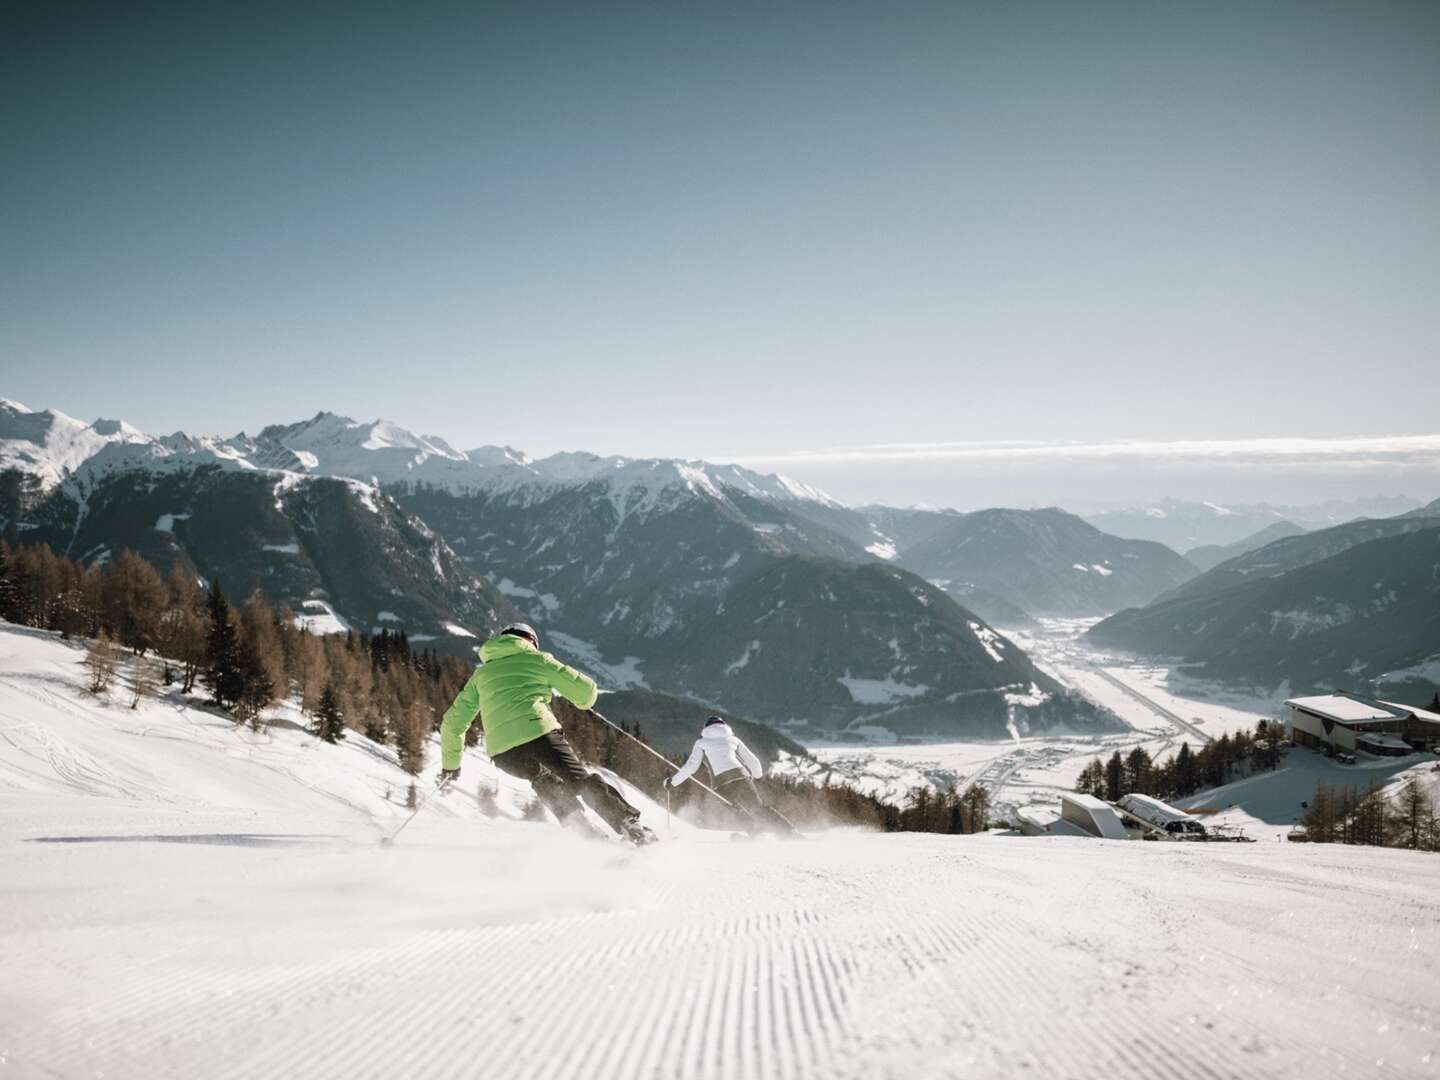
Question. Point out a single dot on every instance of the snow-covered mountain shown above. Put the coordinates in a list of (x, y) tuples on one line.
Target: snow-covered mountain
[(49, 445), (1212, 555), (341, 553), (1182, 524), (652, 573), (1046, 562), (744, 601), (1339, 607)]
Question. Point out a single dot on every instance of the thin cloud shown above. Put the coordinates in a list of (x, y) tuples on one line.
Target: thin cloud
[(1379, 452)]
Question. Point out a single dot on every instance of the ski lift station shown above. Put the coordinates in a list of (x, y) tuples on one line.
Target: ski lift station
[(1080, 815), (1343, 722), (1134, 817)]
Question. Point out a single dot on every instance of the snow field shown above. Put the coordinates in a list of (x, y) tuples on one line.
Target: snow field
[(519, 951), (184, 899)]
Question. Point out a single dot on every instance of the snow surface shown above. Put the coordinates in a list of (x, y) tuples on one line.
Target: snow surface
[(183, 899), (989, 640), (735, 665), (549, 601), (622, 676), (1268, 805), (1428, 669), (319, 618), (166, 522), (884, 691)]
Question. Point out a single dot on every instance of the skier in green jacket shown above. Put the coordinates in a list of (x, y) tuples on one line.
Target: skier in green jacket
[(510, 691)]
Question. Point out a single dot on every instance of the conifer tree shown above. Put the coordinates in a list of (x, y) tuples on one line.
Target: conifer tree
[(222, 651), (329, 720), (1138, 767), (1187, 772), (8, 591), (410, 730), (1114, 777)]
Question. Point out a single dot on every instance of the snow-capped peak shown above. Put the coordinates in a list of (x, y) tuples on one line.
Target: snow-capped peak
[(49, 445), (497, 455), (53, 445)]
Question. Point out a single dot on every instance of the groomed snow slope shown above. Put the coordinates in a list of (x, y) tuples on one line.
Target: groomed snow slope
[(156, 922)]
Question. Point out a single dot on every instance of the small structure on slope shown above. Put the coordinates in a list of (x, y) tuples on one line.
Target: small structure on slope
[(1162, 816), (1094, 816)]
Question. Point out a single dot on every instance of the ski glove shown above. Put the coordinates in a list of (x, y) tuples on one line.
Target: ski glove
[(446, 775)]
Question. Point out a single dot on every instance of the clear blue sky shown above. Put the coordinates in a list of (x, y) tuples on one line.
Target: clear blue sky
[(728, 229)]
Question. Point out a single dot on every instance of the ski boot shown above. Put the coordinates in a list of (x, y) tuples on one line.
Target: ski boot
[(637, 834)]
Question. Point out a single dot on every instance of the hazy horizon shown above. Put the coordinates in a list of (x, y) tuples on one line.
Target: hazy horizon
[(909, 254), (1037, 474)]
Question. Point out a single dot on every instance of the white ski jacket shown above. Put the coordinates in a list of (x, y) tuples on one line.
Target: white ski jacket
[(724, 751)]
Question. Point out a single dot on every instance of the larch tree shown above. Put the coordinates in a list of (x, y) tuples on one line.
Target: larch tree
[(101, 661)]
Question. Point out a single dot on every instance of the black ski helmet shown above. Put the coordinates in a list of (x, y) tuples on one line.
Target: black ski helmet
[(525, 630), (709, 720)]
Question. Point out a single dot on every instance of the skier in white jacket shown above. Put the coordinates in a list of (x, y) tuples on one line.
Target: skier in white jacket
[(735, 770)]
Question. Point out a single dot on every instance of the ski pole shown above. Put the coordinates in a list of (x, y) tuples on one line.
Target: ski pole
[(386, 841), (654, 753)]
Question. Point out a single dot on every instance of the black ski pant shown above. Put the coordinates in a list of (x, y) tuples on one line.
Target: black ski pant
[(738, 786), (561, 780)]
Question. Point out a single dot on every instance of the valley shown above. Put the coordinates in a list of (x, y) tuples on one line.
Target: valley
[(1161, 709)]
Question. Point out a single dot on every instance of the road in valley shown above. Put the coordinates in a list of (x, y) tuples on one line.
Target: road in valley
[(1151, 704)]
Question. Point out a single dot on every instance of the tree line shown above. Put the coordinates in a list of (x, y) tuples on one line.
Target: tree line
[(1342, 814), (1186, 771), (248, 659)]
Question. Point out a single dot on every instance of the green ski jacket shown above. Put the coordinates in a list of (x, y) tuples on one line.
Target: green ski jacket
[(510, 691)]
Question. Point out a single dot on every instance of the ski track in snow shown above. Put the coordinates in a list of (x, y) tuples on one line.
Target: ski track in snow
[(220, 907), (850, 956)]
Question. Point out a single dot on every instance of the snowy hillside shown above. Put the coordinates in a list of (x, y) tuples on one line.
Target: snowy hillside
[(181, 899), (1348, 619), (1046, 562)]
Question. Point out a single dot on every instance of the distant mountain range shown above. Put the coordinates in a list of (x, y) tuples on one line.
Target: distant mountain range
[(1340, 607), (1046, 562), (1185, 525), (741, 590), (1212, 555)]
